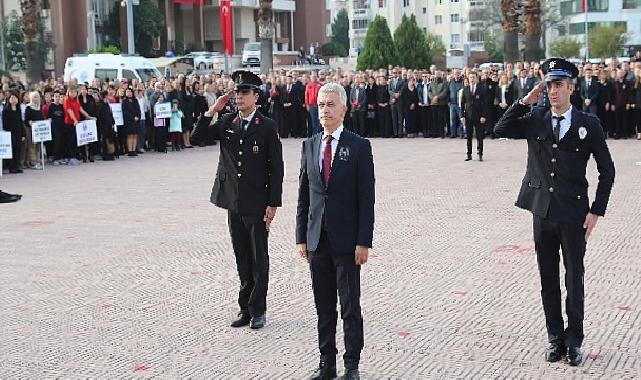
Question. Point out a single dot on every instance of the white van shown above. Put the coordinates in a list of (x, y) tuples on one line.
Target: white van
[(86, 67), (251, 54)]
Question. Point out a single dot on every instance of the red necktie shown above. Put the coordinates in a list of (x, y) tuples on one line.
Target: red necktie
[(327, 159)]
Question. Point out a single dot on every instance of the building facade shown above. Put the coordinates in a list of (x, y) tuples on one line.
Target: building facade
[(459, 23), (623, 13)]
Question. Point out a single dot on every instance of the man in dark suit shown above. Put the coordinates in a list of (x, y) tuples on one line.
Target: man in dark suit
[(474, 108), (522, 84), (334, 227), (248, 184), (396, 85), (560, 142), (359, 106), (290, 107), (589, 92)]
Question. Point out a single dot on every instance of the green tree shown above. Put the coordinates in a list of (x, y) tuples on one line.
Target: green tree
[(606, 41), (149, 22), (494, 47), (434, 45), (14, 57), (411, 45), (340, 31), (378, 49), (333, 49), (566, 47)]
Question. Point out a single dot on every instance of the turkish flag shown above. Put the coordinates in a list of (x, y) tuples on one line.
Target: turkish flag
[(225, 26), (583, 6)]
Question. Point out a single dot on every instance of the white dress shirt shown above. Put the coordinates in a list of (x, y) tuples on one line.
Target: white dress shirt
[(565, 123), (503, 92), (336, 136)]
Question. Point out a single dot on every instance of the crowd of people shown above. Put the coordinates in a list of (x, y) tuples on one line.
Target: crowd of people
[(386, 103)]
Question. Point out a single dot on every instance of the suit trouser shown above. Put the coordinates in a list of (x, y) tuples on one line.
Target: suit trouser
[(332, 272), (470, 127), (397, 119), (290, 118), (249, 239), (621, 121), (384, 121), (424, 120), (358, 122), (16, 150), (438, 121), (548, 237)]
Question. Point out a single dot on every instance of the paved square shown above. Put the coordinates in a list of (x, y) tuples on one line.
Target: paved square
[(123, 269)]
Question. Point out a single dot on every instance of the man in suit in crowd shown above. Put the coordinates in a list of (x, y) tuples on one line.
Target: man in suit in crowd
[(424, 114), (359, 106), (334, 227), (396, 85), (290, 107), (248, 184), (522, 84), (438, 94), (589, 92), (560, 142), (474, 108)]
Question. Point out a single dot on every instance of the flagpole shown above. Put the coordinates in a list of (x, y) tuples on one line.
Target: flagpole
[(587, 39)]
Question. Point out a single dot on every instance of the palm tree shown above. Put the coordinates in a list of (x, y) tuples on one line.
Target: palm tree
[(30, 31), (532, 26), (510, 25), (266, 35)]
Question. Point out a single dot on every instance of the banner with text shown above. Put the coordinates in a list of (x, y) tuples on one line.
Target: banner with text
[(86, 132)]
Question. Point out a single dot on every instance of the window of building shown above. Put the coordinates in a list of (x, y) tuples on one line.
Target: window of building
[(454, 17), (424, 30), (476, 35), (631, 4), (381, 3), (455, 1), (571, 7), (438, 19), (424, 10), (360, 4), (360, 24), (455, 38), (579, 27), (406, 3)]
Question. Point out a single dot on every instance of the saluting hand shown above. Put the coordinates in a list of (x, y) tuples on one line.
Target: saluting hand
[(535, 95), (589, 224), (220, 103)]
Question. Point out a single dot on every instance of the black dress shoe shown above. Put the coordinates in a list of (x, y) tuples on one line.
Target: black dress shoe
[(242, 320), (480, 157), (469, 158), (555, 352), (325, 371), (15, 171), (258, 322), (9, 198), (351, 374), (575, 357)]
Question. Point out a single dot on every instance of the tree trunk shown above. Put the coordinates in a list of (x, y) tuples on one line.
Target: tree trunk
[(266, 35), (510, 25), (532, 23), (511, 45), (30, 31)]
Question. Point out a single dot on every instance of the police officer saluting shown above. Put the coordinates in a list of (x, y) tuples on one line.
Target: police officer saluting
[(248, 185), (555, 189)]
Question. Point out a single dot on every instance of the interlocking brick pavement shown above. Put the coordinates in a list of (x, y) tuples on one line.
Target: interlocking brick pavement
[(124, 270)]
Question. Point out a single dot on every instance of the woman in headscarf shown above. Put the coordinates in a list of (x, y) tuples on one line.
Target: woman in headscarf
[(32, 113)]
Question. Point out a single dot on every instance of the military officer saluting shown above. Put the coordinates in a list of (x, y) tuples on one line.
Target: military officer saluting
[(555, 189), (248, 185)]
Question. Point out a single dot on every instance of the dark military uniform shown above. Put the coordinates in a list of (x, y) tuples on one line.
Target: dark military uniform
[(555, 190), (249, 178)]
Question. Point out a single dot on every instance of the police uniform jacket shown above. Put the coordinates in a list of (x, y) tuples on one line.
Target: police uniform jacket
[(554, 185), (250, 169)]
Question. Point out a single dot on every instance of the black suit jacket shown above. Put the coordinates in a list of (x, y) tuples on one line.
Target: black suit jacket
[(473, 107), (562, 197), (348, 200), (250, 168), (591, 92)]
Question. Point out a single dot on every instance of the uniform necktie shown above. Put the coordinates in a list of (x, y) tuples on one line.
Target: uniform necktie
[(473, 89), (327, 159), (242, 125), (557, 127)]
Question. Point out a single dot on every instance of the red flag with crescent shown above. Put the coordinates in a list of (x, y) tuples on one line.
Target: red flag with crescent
[(225, 26)]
